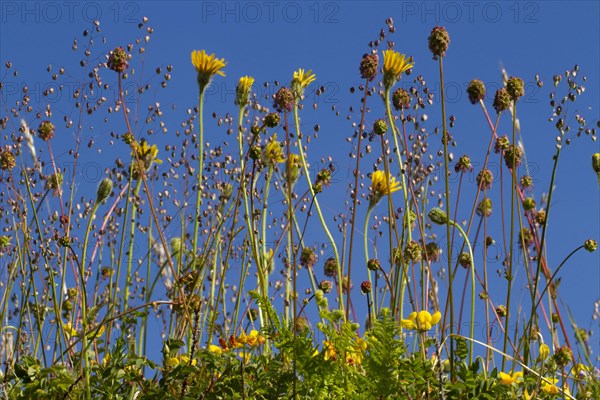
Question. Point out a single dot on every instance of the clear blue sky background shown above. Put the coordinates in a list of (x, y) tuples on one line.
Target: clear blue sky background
[(269, 40)]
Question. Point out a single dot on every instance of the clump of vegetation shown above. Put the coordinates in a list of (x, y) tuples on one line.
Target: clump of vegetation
[(209, 241)]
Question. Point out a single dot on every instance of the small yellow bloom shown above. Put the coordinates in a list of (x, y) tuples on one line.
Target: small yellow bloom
[(381, 185), (508, 379), (361, 344), (172, 362), (242, 91), (215, 349), (528, 396), (421, 321), (245, 356), (303, 78), (544, 351), (147, 155), (186, 360), (550, 388), (207, 66), (273, 152), (69, 330), (252, 338), (330, 353), (394, 65)]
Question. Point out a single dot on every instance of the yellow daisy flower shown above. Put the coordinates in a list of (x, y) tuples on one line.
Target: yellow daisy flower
[(304, 78), (273, 152), (207, 66), (394, 65), (242, 91), (301, 80), (382, 184)]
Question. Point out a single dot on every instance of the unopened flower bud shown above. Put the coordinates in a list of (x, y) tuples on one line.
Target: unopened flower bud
[(438, 216), (104, 189)]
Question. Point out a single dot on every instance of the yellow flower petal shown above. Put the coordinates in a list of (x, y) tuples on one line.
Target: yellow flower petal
[(215, 349)]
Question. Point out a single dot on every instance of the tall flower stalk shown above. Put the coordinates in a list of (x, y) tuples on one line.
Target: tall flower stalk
[(206, 67), (300, 81), (394, 65)]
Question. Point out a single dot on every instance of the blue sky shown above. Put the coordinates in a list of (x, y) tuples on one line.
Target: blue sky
[(271, 39)]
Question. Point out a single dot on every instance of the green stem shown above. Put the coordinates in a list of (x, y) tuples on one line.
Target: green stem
[(472, 266), (403, 272), (318, 207), (445, 137), (84, 322), (513, 194), (200, 167)]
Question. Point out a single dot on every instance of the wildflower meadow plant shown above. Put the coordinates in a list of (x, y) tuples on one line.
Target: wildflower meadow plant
[(191, 270)]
